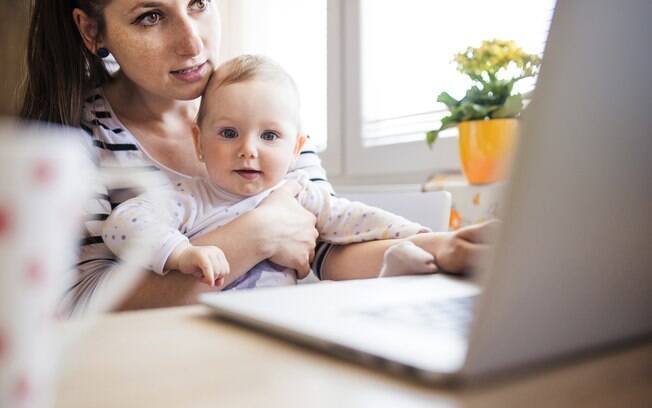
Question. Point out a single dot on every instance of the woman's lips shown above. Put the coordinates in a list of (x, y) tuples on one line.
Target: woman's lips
[(191, 74), (248, 174)]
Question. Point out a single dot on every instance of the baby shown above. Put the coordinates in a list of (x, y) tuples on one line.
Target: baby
[(248, 135)]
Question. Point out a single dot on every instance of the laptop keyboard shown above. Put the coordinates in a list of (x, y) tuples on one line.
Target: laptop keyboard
[(452, 314)]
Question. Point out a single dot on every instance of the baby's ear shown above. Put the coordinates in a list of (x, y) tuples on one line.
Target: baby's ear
[(196, 139), (301, 140)]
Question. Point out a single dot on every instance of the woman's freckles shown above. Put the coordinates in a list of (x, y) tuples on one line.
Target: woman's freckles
[(168, 49)]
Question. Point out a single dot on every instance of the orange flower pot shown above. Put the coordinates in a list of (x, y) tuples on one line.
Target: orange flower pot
[(486, 148)]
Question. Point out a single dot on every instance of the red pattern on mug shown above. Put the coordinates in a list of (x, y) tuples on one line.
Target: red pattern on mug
[(58, 315), (5, 221), (35, 273), (3, 345), (22, 389), (43, 172)]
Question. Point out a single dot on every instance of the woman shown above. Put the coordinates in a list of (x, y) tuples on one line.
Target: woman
[(140, 118)]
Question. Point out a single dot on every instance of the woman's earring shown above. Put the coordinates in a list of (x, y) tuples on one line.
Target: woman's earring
[(102, 52), (201, 156)]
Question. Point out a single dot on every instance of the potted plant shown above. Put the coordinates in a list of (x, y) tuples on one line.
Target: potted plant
[(486, 115)]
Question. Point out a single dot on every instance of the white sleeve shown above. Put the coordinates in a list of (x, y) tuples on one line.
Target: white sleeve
[(131, 219), (341, 221)]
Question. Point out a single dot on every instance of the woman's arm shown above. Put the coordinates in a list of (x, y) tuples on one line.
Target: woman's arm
[(355, 261), (239, 242), (275, 230), (454, 252)]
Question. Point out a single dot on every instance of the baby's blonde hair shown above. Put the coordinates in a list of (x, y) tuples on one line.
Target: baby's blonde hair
[(247, 67)]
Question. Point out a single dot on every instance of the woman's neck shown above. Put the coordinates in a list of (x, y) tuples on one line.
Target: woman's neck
[(163, 127), (134, 104)]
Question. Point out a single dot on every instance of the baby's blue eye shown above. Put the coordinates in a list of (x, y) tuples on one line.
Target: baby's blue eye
[(269, 136), (229, 133)]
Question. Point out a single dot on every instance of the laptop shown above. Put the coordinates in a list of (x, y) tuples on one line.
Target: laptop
[(572, 271)]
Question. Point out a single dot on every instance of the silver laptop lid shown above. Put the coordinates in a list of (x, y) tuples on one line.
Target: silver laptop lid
[(573, 269)]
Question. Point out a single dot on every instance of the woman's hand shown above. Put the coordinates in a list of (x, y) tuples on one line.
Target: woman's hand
[(287, 229), (461, 250)]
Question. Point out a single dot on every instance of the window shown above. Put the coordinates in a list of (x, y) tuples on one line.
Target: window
[(396, 57)]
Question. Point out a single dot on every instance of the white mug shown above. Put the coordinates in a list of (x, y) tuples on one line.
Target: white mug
[(46, 176)]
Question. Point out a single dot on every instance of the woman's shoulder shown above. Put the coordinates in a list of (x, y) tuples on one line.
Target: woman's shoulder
[(110, 139), (99, 120)]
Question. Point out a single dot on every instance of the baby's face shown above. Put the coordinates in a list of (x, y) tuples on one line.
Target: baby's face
[(249, 135)]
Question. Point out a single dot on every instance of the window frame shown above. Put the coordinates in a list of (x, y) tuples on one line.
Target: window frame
[(346, 158)]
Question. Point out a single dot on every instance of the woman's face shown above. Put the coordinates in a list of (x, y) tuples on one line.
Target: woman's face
[(167, 48)]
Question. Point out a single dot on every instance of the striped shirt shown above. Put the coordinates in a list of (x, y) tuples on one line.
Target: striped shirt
[(112, 145)]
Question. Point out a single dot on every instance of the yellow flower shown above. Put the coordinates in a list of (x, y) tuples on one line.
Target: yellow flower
[(495, 55)]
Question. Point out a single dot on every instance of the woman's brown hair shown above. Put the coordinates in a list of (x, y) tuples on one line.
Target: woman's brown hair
[(60, 69)]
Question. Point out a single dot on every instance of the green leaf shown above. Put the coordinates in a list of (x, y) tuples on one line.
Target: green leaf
[(447, 100), (431, 137), (512, 107), (474, 111), (448, 121), (474, 95)]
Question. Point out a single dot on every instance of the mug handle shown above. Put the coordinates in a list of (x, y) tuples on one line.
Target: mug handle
[(130, 267)]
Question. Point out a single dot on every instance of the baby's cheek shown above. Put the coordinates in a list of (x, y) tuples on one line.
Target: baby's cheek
[(218, 175)]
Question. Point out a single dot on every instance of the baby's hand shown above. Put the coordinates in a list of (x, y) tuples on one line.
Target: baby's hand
[(207, 262)]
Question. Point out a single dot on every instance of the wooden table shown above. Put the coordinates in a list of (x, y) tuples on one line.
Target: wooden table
[(184, 357)]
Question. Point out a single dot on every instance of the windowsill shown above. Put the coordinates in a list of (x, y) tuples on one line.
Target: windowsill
[(444, 181), (440, 181)]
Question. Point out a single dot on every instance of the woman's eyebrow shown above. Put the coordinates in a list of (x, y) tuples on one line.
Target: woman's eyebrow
[(146, 4)]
